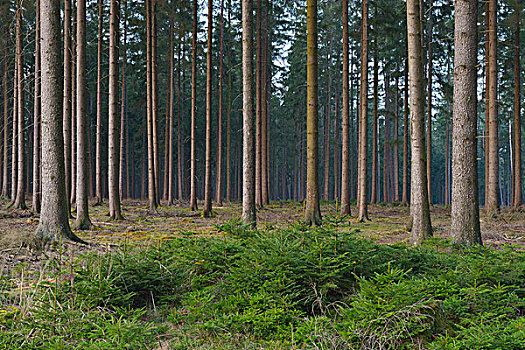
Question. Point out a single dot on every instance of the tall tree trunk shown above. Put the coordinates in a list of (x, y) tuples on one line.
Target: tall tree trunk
[(82, 221), (180, 149), (218, 182), (264, 105), (404, 198), (429, 105), (465, 203), (54, 216), (169, 114), (345, 156), (336, 138), (312, 213), (152, 195), (228, 128), (98, 141), (6, 118), (154, 94), (517, 108), (373, 194), (258, 107), (193, 174), (37, 194), (113, 117), (248, 162), (396, 141), (328, 122), (448, 127), (20, 190), (207, 211), (363, 119), (419, 208), (492, 200), (14, 134), (123, 110), (73, 138)]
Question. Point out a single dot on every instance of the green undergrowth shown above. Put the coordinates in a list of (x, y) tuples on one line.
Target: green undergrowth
[(274, 288)]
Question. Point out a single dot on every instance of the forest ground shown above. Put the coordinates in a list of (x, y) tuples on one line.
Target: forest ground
[(140, 227)]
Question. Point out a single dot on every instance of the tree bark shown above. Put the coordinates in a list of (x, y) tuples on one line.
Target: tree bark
[(6, 119), (258, 107), (123, 111), (404, 198), (345, 156), (82, 221), (248, 161), (465, 204), (193, 174), (373, 191), (419, 208), (429, 105), (20, 202), (113, 117), (54, 216), (517, 108), (169, 114), (98, 141), (492, 200), (207, 211), (152, 195), (312, 213), (218, 182), (363, 120), (37, 194), (154, 94)]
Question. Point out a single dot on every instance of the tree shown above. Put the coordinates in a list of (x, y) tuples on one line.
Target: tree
[(248, 175), (492, 200), (465, 204), (37, 116), (98, 142), (152, 192), (312, 213), (193, 174), (517, 108), (363, 120), (169, 158), (67, 112), (82, 221), (6, 114), (207, 178), (429, 105), (345, 157), (114, 123), (54, 223), (404, 195), (419, 208), (20, 202), (123, 156), (373, 192), (218, 183)]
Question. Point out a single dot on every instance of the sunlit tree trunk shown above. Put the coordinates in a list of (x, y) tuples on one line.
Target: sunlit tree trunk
[(429, 106), (345, 153), (169, 114), (207, 211), (123, 111), (363, 120), (248, 163), (152, 195), (419, 207), (82, 221), (154, 94), (14, 133), (465, 203), (264, 106), (53, 224), (373, 191), (258, 106), (312, 213), (193, 174), (404, 198), (218, 182), (98, 141), (37, 117), (517, 108), (180, 148)]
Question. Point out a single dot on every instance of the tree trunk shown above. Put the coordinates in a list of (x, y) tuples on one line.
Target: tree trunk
[(123, 110), (113, 117), (169, 114), (517, 108), (404, 198), (373, 194), (14, 134), (363, 119), (228, 130), (258, 107), (345, 156), (98, 141), (152, 197), (54, 216), (6, 120), (336, 139), (20, 190), (73, 138), (37, 117), (264, 105), (465, 205), (248, 162), (218, 182), (419, 208), (180, 149), (396, 141), (82, 221), (492, 200), (312, 213), (207, 211), (429, 106), (154, 94), (193, 174)]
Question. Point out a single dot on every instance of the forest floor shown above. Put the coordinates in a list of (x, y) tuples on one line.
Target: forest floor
[(388, 225)]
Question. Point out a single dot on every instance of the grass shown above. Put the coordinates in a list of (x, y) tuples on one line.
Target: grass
[(284, 286)]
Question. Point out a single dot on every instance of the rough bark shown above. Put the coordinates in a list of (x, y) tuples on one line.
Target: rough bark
[(113, 116), (419, 208), (373, 190), (465, 205), (123, 111), (218, 182), (82, 221), (492, 200), (154, 94), (258, 107), (169, 115), (429, 106), (404, 195), (37, 194), (5, 159), (248, 161), (312, 213), (54, 223), (345, 154), (98, 141), (193, 174), (517, 108), (363, 120), (152, 196), (207, 211)]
